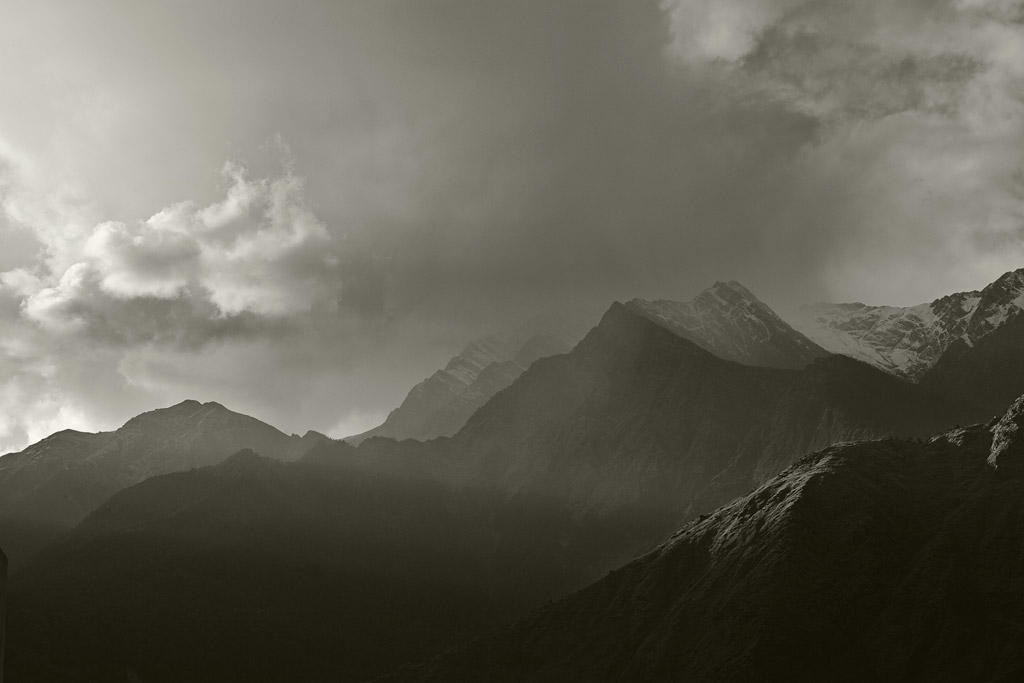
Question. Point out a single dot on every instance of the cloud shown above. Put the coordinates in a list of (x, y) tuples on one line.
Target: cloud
[(260, 252), (186, 303), (915, 168), (726, 30)]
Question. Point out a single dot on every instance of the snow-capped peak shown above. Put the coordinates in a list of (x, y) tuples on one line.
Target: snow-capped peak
[(907, 341), (730, 322)]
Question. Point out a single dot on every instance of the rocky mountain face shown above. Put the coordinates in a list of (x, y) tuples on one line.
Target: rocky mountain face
[(730, 322), (989, 372), (441, 404), (892, 560), (52, 485), (908, 342)]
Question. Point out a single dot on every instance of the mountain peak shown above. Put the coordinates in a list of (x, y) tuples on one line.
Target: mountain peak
[(733, 286), (908, 341), (730, 322), (245, 459), (441, 404), (1007, 453)]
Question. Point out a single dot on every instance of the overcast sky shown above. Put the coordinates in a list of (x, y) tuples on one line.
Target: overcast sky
[(301, 208)]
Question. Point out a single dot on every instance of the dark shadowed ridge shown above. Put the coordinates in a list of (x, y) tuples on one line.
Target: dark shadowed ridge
[(260, 570), (990, 372), (892, 560)]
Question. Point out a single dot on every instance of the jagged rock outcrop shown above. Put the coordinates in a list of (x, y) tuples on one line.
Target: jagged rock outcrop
[(1007, 452)]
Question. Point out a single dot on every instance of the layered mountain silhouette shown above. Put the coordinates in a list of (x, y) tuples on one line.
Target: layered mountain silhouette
[(638, 429), (52, 485), (909, 341), (889, 560), (441, 404), (730, 322), (725, 319), (362, 557)]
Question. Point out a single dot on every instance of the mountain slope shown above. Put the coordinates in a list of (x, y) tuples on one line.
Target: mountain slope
[(596, 454), (909, 341), (730, 322), (51, 485), (990, 372), (441, 404), (259, 570), (877, 561)]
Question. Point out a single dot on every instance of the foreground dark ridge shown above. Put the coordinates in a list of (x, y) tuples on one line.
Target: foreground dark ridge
[(892, 560)]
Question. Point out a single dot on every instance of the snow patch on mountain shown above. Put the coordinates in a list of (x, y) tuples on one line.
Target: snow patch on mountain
[(730, 322), (907, 341)]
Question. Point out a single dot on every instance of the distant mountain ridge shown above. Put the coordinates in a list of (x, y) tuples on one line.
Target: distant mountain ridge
[(909, 341), (441, 404), (725, 319), (730, 322), (50, 486)]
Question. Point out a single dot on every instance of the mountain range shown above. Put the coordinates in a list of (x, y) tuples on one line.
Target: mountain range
[(909, 341), (587, 459), (534, 464)]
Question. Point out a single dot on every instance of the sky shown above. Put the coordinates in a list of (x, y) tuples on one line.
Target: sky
[(299, 209)]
